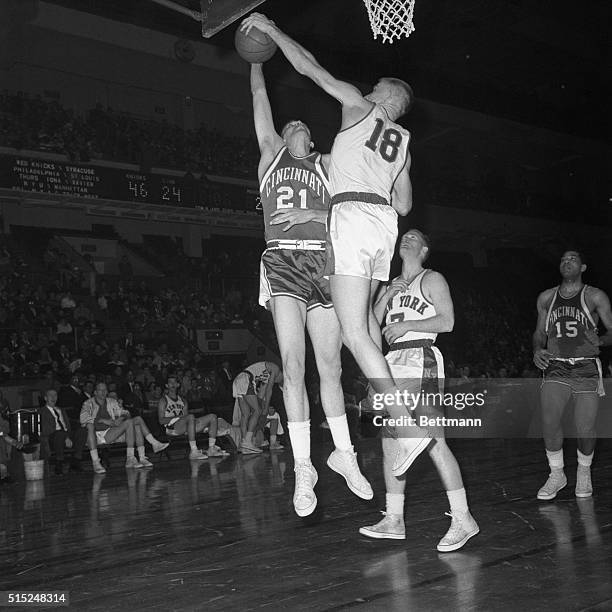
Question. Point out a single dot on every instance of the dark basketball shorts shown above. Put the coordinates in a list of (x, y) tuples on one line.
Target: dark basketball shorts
[(582, 376), (419, 372), (295, 273)]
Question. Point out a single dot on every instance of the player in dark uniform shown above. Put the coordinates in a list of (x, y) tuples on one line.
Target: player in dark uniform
[(295, 199), (370, 186), (566, 347)]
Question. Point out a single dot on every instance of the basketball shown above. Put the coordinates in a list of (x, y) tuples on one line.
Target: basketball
[(254, 47)]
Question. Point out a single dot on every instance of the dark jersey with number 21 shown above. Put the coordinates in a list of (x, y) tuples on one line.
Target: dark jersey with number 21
[(294, 182), (368, 156)]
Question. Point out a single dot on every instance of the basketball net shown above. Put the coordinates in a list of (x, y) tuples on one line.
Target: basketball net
[(390, 18)]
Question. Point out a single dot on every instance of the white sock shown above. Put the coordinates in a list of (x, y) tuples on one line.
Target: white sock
[(94, 454), (211, 442), (141, 452), (193, 445), (272, 438), (457, 500), (395, 504), (299, 434), (151, 440), (585, 460), (340, 432), (555, 459), (249, 438), (129, 451)]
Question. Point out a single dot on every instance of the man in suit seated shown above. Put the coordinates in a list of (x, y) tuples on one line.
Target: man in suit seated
[(56, 432)]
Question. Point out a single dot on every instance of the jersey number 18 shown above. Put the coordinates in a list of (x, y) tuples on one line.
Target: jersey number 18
[(389, 143)]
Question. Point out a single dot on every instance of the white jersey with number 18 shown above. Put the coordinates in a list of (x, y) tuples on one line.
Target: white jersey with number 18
[(369, 156)]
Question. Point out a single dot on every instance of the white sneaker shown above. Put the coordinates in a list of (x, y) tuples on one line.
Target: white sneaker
[(132, 462), (98, 468), (276, 446), (249, 449), (197, 455), (408, 449), (144, 462), (264, 444), (345, 464), (158, 447), (215, 451), (463, 527), (556, 481), (584, 487), (304, 498), (391, 527)]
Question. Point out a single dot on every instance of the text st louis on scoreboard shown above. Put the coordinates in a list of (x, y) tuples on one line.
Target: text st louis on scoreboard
[(91, 181)]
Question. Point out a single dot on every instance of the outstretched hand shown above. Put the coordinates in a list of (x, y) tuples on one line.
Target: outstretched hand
[(290, 216), (258, 21)]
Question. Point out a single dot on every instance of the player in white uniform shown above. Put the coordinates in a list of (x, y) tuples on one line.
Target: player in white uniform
[(418, 306), (295, 202), (370, 185), (173, 414)]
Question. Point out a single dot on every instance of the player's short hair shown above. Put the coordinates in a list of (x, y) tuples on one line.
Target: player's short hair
[(579, 252), (405, 92)]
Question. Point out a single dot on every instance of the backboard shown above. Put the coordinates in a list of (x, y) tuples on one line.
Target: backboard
[(218, 14)]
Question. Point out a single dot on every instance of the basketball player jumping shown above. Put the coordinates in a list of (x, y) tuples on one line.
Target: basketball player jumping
[(370, 185), (295, 201), (417, 306), (565, 346)]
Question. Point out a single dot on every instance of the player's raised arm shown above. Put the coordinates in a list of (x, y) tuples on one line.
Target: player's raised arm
[(305, 63), (269, 141), (401, 194)]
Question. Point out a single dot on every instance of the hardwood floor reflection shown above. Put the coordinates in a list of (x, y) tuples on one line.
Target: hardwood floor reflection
[(222, 533)]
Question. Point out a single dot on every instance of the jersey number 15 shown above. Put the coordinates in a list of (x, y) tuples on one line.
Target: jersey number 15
[(571, 329)]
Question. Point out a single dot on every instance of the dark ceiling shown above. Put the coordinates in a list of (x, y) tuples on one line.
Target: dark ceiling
[(541, 62)]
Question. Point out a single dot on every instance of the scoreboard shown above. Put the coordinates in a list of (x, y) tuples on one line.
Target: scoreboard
[(91, 181)]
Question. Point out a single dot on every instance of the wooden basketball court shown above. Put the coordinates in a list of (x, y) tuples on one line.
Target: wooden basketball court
[(222, 534)]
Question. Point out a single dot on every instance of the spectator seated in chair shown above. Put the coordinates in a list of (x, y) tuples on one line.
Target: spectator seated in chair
[(174, 416), (107, 422), (56, 433)]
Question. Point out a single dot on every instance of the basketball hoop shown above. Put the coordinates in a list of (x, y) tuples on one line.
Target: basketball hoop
[(390, 18)]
